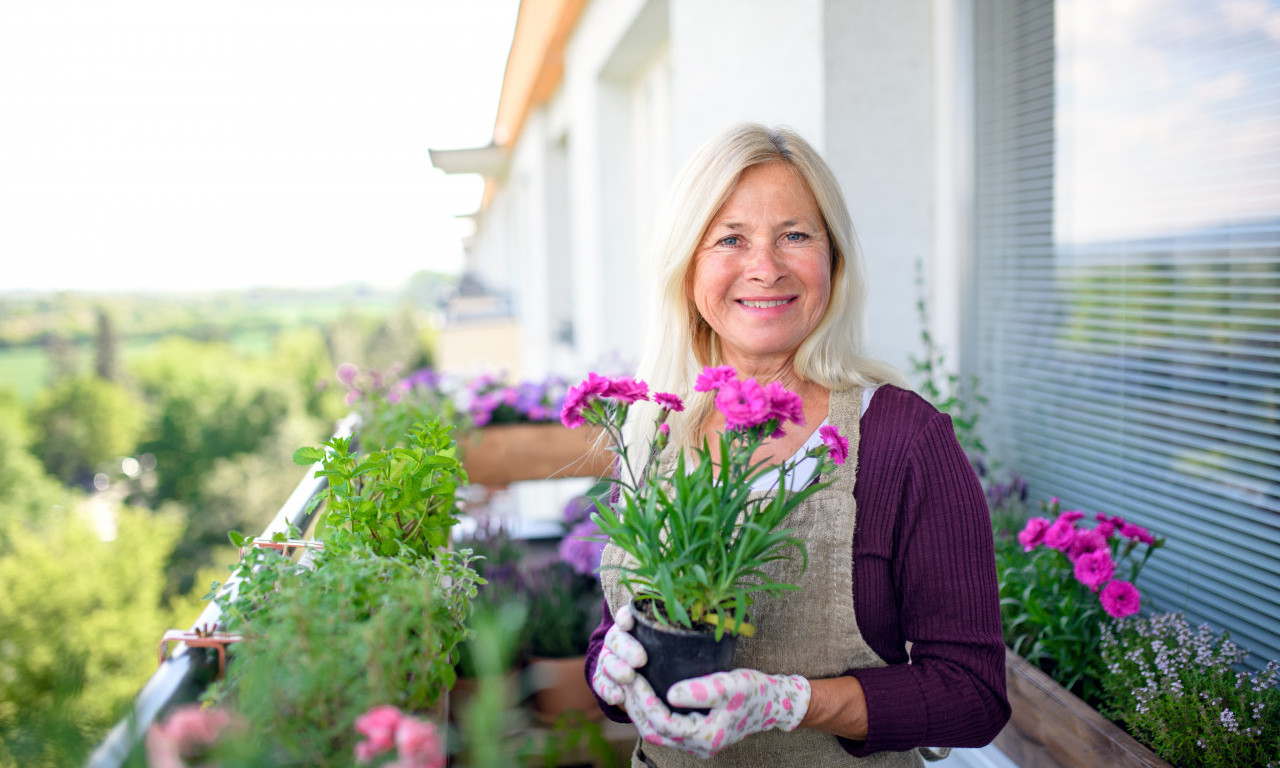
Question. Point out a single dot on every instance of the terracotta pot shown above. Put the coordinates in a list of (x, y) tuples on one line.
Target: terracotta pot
[(560, 686), (508, 453), (1054, 728), (676, 653)]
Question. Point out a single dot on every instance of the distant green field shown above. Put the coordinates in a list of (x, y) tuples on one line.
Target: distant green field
[(26, 369)]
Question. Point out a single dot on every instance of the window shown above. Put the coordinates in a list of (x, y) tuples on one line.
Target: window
[(1127, 258)]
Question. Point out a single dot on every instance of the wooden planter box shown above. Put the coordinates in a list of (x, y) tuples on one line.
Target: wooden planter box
[(1053, 728), (508, 453)]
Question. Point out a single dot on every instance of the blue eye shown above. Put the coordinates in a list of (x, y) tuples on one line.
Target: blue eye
[(796, 237), (730, 241)]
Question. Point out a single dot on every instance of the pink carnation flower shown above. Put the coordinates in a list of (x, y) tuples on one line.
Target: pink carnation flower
[(626, 390), (837, 444), (1094, 569), (712, 379), (579, 399), (743, 403), (1120, 599), (1060, 534), (187, 732), (1136, 532), (352, 397), (668, 401), (1032, 535), (784, 405), (1086, 541), (1071, 515)]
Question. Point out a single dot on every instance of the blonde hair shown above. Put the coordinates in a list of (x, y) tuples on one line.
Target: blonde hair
[(679, 343)]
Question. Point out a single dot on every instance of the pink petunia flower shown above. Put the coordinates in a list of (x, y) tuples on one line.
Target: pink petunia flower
[(1120, 599), (743, 403), (712, 379), (669, 401), (626, 390), (1060, 534), (1032, 535), (378, 726), (837, 444), (1094, 569), (1086, 541)]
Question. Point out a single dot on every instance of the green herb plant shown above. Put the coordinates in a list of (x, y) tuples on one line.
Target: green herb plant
[(1179, 691), (393, 498)]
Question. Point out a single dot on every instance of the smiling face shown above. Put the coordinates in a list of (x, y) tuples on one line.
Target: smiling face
[(762, 271)]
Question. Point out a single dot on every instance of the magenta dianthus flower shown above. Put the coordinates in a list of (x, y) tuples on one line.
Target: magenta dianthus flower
[(712, 379), (1095, 569), (743, 403), (1086, 541), (837, 444), (1120, 599), (784, 405), (1136, 532), (1060, 534), (669, 401), (1032, 535), (626, 390)]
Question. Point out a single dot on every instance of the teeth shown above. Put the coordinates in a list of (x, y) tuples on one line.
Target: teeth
[(762, 304)]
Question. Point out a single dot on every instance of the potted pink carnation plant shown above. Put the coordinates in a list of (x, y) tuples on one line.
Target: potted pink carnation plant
[(697, 537)]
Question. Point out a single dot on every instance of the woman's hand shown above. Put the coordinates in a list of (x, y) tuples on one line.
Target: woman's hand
[(742, 702), (616, 682)]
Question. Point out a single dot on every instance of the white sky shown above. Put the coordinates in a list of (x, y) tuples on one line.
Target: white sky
[(171, 145)]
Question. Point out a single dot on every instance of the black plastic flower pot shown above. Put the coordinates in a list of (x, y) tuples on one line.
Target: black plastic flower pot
[(676, 653)]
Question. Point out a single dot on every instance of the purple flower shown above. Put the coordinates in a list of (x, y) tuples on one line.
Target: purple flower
[(627, 390), (1120, 599), (669, 401), (712, 379), (581, 554), (837, 444), (579, 399), (743, 403), (347, 373), (1094, 569), (1032, 535)]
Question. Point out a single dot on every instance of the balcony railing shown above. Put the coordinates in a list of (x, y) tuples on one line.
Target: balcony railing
[(184, 674)]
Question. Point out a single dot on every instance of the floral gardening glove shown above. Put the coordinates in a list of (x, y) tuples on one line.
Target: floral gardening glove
[(742, 702), (616, 682)]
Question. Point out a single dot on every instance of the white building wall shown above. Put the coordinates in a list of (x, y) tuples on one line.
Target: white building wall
[(871, 84)]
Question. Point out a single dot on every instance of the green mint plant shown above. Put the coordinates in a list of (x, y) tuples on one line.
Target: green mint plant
[(323, 646), (699, 538), (1179, 692), (393, 498)]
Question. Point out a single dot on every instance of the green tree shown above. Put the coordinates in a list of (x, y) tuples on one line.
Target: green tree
[(83, 421), (106, 347), (207, 404), (79, 622), (29, 492)]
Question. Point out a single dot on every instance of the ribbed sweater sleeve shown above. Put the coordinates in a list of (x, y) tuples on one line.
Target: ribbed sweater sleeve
[(924, 574)]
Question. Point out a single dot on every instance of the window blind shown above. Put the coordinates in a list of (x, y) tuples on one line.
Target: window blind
[(1127, 258)]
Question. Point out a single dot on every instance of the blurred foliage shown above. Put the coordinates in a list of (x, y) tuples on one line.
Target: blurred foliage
[(82, 422), (29, 493), (79, 622)]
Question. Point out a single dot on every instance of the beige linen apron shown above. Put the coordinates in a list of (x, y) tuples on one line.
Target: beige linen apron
[(811, 632)]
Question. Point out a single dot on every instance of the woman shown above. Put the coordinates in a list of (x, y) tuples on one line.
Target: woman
[(893, 641)]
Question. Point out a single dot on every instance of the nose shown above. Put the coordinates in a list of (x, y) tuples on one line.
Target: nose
[(765, 265)]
